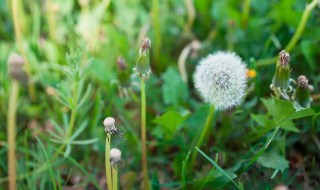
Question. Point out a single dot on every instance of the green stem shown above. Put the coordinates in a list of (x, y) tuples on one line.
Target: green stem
[(143, 136), (19, 40), (292, 43), (11, 132), (191, 15), (204, 134), (72, 119), (245, 13), (301, 25), (51, 20), (157, 32), (107, 162), (115, 178)]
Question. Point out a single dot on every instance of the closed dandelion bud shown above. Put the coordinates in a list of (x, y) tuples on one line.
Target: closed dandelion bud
[(121, 63), (142, 68), (16, 70), (221, 79), (302, 93), (115, 156), (281, 78)]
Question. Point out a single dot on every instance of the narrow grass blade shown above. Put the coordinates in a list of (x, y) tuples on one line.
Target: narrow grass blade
[(183, 174), (79, 130), (217, 166), (48, 163)]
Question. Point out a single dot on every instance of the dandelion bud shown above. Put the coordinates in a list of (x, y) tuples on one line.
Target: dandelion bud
[(281, 78), (142, 68), (115, 156), (302, 93), (121, 63), (15, 67), (221, 79)]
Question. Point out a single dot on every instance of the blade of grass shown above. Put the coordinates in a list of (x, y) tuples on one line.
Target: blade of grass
[(48, 163), (265, 146), (217, 166), (183, 173), (211, 172)]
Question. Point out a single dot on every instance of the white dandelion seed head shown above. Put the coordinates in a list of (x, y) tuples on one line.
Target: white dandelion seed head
[(109, 121), (220, 79)]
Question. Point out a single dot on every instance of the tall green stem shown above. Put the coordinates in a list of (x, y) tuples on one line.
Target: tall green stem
[(157, 32), (11, 133), (19, 40), (204, 134), (143, 136), (107, 161), (245, 13), (115, 178), (72, 119)]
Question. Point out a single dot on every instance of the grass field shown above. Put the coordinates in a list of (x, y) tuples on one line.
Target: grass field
[(159, 94)]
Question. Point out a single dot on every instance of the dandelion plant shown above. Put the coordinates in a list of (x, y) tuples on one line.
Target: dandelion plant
[(220, 79), (143, 70)]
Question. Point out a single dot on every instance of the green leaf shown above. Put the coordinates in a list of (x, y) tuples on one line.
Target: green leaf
[(283, 112), (174, 90), (274, 161), (262, 120), (169, 123)]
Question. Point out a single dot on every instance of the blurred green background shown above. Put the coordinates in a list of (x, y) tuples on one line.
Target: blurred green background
[(109, 35)]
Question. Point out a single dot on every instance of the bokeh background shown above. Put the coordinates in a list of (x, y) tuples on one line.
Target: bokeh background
[(109, 34)]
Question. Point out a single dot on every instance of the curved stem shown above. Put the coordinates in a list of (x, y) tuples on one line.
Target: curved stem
[(144, 137), (107, 162), (204, 134), (301, 25), (11, 132), (292, 43)]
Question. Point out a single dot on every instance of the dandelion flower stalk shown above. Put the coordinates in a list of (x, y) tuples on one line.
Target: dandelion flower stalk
[(107, 162), (220, 79), (11, 133), (115, 160), (143, 70), (17, 74), (204, 133), (19, 40), (109, 124), (115, 178)]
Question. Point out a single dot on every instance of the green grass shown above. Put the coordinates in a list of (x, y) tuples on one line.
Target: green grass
[(76, 79)]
